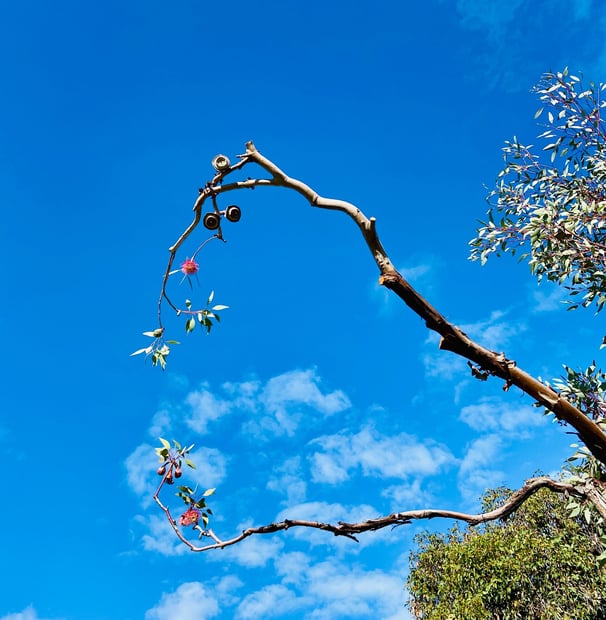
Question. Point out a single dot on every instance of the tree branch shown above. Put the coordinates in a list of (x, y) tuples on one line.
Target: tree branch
[(453, 339), (351, 530)]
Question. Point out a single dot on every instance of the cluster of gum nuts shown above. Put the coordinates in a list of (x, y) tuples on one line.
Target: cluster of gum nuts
[(169, 478)]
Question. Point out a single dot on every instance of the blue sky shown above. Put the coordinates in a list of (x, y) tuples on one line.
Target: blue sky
[(319, 396)]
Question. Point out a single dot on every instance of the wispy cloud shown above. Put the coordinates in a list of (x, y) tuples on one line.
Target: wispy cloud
[(396, 456), (492, 17), (268, 602), (254, 552), (477, 471), (547, 299), (141, 465), (288, 479), (29, 613), (419, 275), (191, 600), (405, 496), (342, 591), (284, 397), (491, 415), (279, 404), (495, 332), (205, 409), (159, 536), (328, 590), (503, 27)]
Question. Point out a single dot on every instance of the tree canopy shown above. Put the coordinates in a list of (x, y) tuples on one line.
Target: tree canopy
[(536, 563)]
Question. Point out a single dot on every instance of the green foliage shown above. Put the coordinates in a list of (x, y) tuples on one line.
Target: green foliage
[(159, 350), (554, 211), (171, 459), (538, 563), (586, 390)]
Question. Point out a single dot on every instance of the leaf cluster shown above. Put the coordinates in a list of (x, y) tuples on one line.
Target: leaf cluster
[(554, 212), (204, 317), (158, 350), (188, 495)]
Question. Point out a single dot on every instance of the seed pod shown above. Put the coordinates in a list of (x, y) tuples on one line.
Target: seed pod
[(211, 221), (220, 163)]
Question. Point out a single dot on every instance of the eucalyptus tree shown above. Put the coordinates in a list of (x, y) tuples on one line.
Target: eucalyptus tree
[(538, 563)]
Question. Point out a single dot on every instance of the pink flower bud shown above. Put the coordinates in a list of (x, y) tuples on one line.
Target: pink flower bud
[(189, 267), (189, 517)]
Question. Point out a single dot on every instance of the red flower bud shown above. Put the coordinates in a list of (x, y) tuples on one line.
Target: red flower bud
[(189, 517), (189, 267)]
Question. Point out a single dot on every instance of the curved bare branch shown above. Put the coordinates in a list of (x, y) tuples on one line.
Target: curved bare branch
[(452, 338), (351, 530)]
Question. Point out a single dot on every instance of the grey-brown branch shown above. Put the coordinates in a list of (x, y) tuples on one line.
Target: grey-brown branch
[(351, 530)]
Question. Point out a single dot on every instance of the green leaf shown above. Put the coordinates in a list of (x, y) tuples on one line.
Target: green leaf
[(146, 350), (208, 492), (190, 325), (210, 297), (219, 307), (190, 464), (165, 443)]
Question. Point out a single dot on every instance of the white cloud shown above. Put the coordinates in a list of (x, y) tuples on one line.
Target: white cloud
[(495, 332), (340, 591), (205, 408), (396, 456), (477, 472), (490, 415), (29, 613), (190, 601), (141, 465), (288, 479), (211, 467), (288, 397), (226, 588), (279, 405), (293, 567), (482, 451), (493, 16), (254, 552), (327, 590), (419, 276), (160, 537), (547, 300), (405, 496), (160, 424), (243, 394), (268, 602), (327, 469)]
